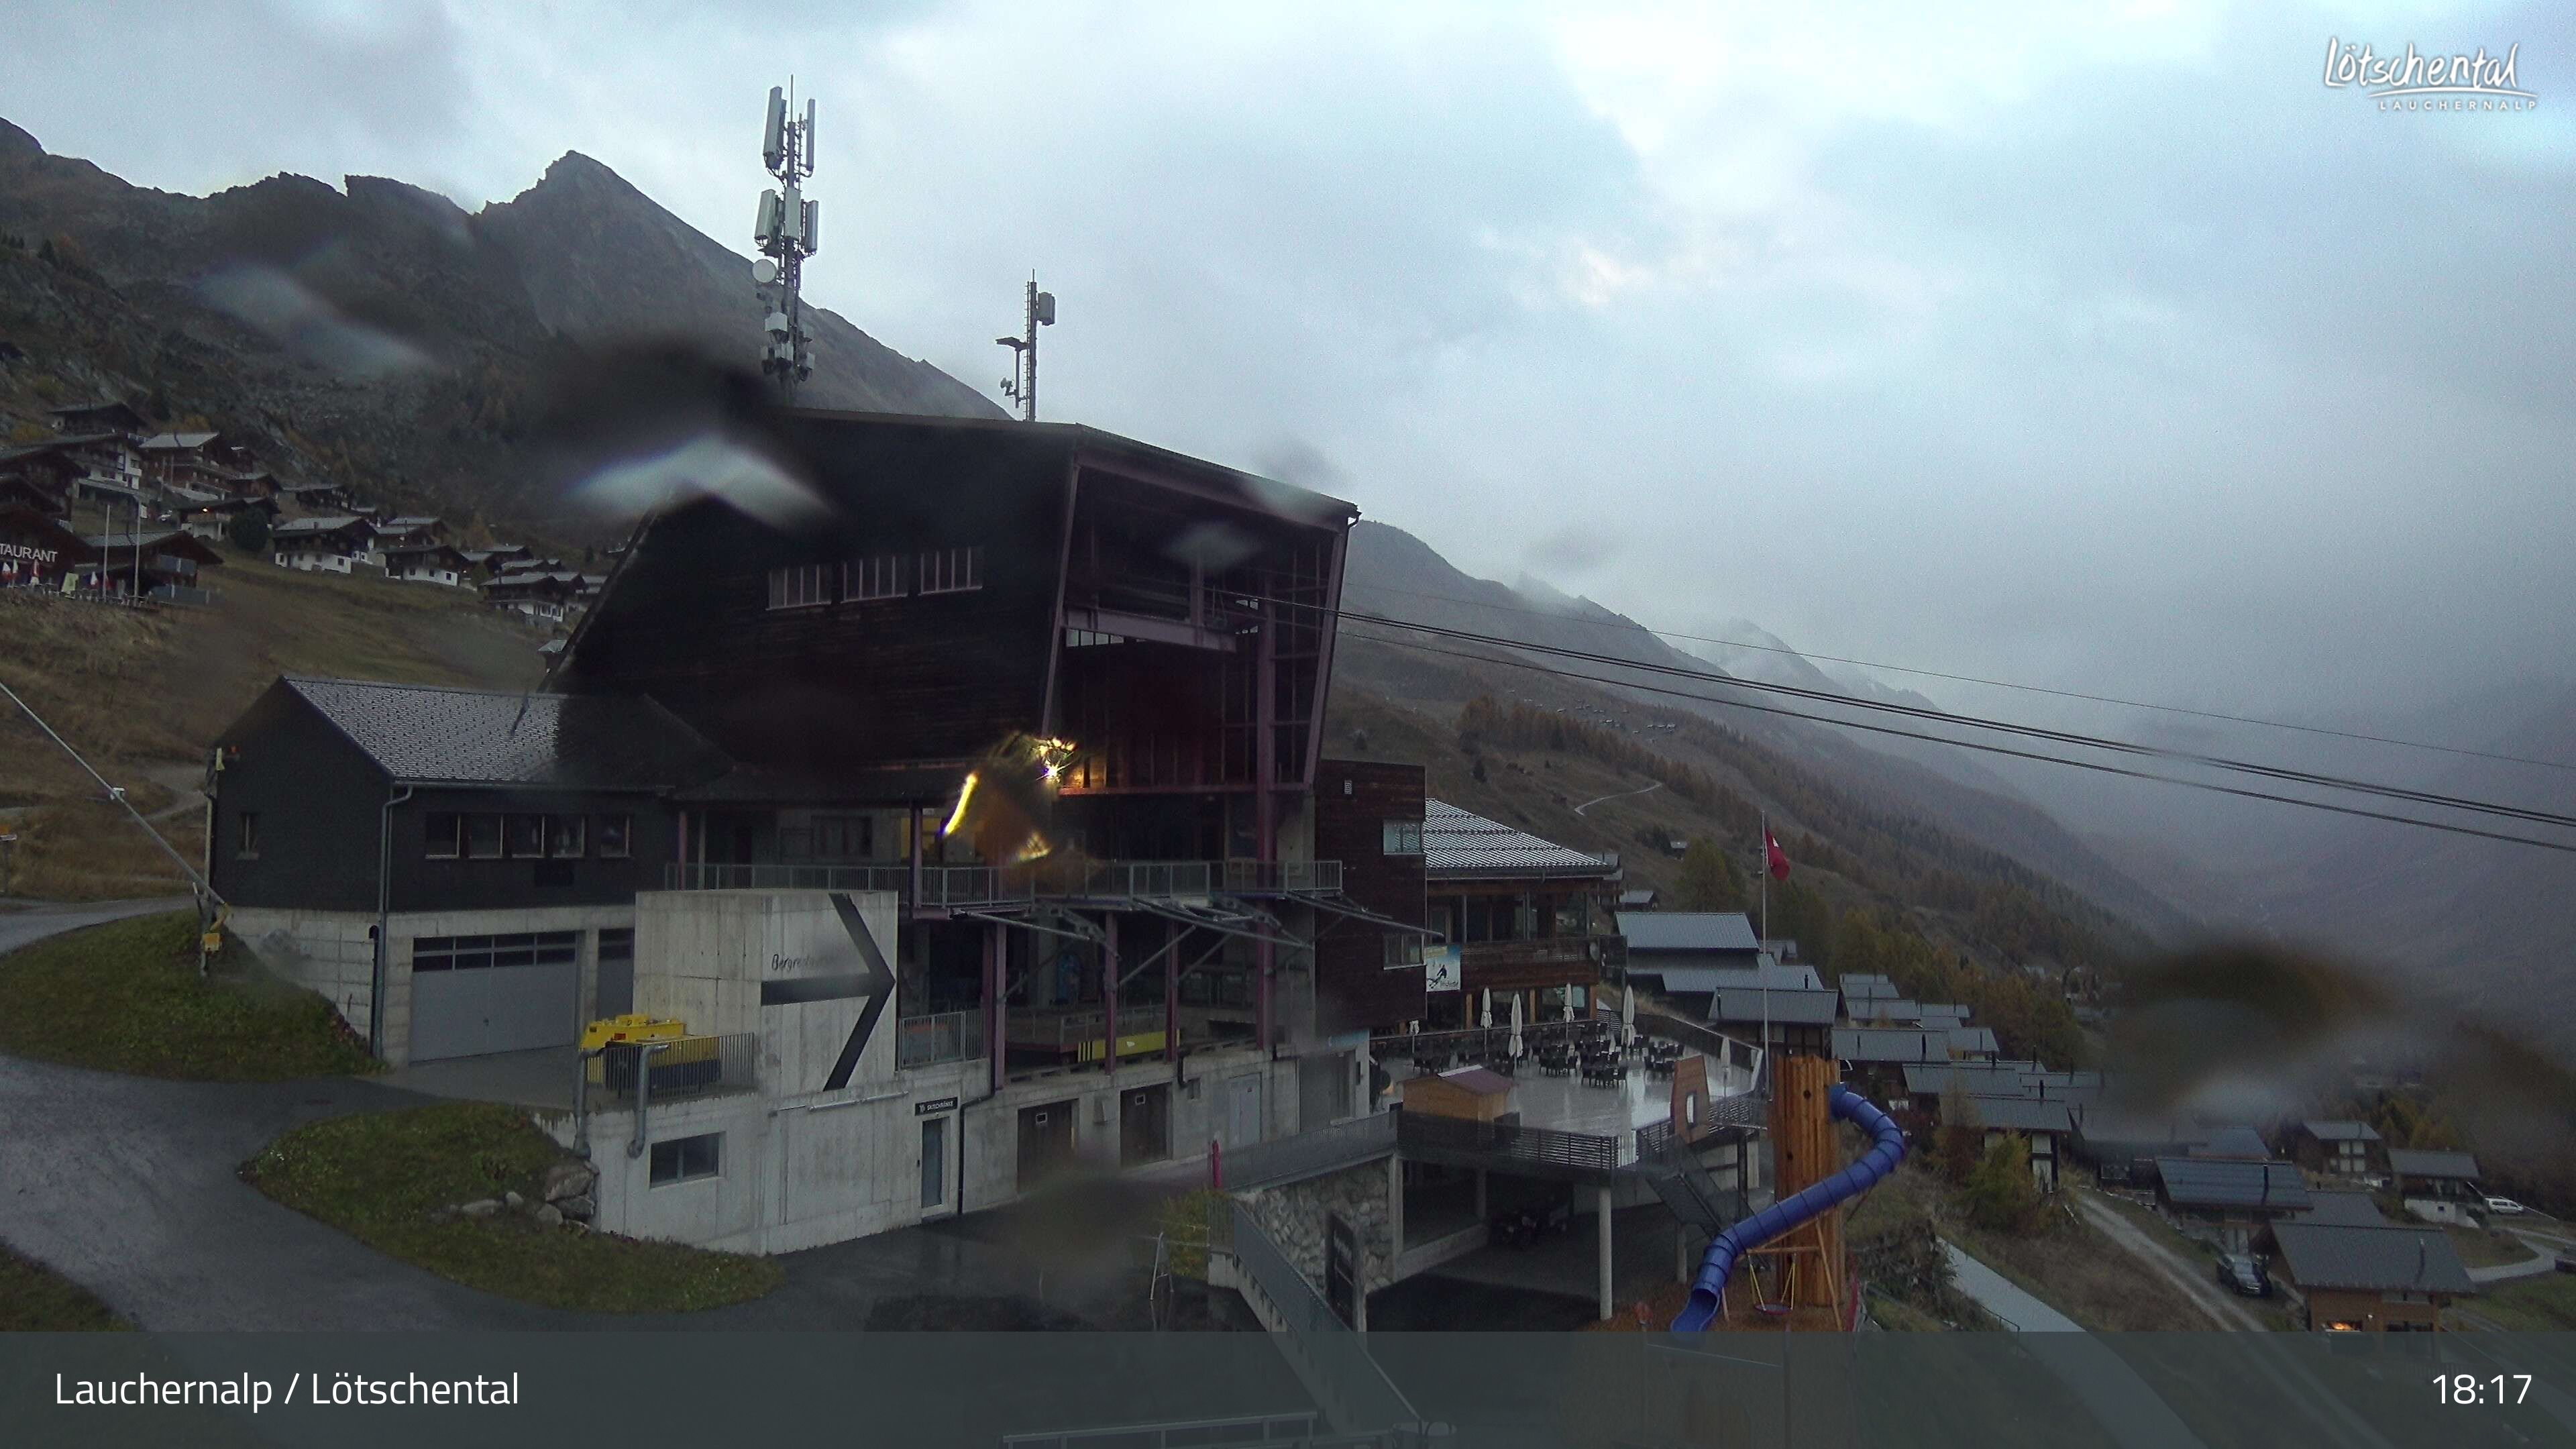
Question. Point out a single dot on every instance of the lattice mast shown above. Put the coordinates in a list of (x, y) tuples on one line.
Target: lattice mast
[(786, 233)]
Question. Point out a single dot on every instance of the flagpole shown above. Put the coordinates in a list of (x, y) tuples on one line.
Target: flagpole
[(1761, 938)]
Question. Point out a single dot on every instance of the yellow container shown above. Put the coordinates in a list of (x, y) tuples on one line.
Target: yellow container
[(631, 1028)]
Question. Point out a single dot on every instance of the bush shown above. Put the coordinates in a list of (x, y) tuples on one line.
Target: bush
[(248, 531), (2002, 1196)]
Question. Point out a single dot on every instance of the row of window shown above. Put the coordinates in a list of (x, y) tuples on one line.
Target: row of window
[(877, 576), (1401, 837), (449, 835), (482, 953)]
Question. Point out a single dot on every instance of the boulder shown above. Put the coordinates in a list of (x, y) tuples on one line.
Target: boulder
[(482, 1207), (548, 1215), (569, 1179), (581, 1208), (514, 1200)]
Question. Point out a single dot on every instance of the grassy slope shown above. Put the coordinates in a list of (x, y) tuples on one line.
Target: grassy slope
[(2542, 1303), (144, 694), (126, 997), (381, 1177), (36, 1299)]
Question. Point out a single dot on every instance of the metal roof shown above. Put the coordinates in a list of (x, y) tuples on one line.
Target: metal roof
[(1911, 1044), (2343, 1210), (1868, 986), (2236, 1142), (1796, 1008), (2380, 1260), (1685, 930), (2342, 1131), (2415, 1162), (2232, 1182), (1458, 842), (313, 525), (422, 735)]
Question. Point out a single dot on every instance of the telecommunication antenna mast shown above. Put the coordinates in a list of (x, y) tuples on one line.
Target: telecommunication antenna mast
[(1022, 385), (786, 233)]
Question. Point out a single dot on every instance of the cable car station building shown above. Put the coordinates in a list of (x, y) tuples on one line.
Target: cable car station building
[(963, 796)]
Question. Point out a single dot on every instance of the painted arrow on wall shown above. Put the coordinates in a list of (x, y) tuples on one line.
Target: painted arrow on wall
[(876, 983)]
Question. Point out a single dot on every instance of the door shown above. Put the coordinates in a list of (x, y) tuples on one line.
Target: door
[(1323, 1090), (1342, 1269), (1046, 1141), (1243, 1111), (1145, 1124), (615, 994), (934, 1164), (476, 995)]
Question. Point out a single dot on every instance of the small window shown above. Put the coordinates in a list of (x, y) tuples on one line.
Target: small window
[(527, 837), (952, 570), (800, 586), (843, 837), (686, 1159), (617, 944), (1402, 837), (483, 837), (247, 847), (566, 836), (878, 576), (444, 835), (614, 833), (1403, 950)]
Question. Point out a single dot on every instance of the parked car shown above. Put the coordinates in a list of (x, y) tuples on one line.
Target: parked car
[(2566, 1264), (2244, 1275), (2505, 1207)]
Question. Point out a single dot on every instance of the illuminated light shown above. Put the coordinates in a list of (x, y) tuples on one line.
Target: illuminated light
[(957, 817)]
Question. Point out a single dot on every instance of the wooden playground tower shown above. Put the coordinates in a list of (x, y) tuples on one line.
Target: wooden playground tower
[(1801, 1280)]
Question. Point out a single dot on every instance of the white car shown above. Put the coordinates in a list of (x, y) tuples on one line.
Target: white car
[(2505, 1206)]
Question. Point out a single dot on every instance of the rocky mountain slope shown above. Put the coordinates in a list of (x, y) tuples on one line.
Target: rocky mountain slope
[(376, 333)]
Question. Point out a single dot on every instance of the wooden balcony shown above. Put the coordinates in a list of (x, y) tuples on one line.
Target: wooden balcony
[(1529, 965)]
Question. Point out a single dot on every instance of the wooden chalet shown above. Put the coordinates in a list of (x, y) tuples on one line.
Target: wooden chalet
[(544, 595), (1524, 914), (429, 563), (104, 416), (2369, 1279), (331, 543), (152, 561), (36, 548)]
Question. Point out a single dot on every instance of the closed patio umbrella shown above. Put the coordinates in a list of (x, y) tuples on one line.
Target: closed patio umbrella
[(1516, 1026), (1628, 1016)]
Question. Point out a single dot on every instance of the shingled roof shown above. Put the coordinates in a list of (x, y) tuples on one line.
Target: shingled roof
[(426, 736)]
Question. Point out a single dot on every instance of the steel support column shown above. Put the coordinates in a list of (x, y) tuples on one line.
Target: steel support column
[(1172, 994), (1109, 994), (1265, 770), (1604, 1199), (996, 1027)]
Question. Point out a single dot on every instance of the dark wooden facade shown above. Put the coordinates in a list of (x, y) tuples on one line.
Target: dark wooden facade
[(1125, 598), (1355, 987), (319, 805)]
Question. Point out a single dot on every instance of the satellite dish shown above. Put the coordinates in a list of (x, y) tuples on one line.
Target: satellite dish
[(764, 271)]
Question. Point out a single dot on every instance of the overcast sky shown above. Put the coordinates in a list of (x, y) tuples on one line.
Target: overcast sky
[(2096, 347)]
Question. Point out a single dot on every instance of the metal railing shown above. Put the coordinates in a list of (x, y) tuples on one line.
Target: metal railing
[(1420, 1135), (691, 1066), (980, 885), (948, 1036), (1066, 1028), (1308, 1154), (1716, 1046), (1297, 1429), (1357, 1392)]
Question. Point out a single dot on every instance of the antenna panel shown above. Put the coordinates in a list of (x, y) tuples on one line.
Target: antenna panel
[(773, 146), (765, 230), (1046, 309), (813, 222)]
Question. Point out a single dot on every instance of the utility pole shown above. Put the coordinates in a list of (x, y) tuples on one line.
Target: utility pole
[(786, 233), (1022, 385)]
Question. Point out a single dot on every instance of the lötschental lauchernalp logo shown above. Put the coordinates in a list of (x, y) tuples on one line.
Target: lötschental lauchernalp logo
[(2415, 81)]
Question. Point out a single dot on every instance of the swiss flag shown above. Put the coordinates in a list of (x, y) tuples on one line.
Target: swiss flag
[(1779, 859)]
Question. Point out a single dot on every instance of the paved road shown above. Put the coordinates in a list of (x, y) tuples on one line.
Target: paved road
[(2004, 1298), (35, 923), (1621, 795), (2544, 1259)]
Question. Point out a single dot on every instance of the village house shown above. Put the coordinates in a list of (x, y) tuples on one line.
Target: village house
[(2228, 1199), (1787, 1008), (161, 563), (104, 416), (1875, 1058), (1521, 915), (330, 543), (429, 563), (2437, 1186), (2339, 1149), (1679, 953), (2368, 1279), (546, 597), (312, 499)]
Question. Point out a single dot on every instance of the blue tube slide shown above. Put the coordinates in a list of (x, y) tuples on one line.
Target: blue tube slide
[(1888, 1149)]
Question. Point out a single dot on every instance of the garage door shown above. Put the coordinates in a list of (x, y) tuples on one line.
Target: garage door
[(475, 995)]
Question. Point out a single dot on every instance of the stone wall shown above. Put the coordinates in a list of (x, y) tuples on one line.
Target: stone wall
[(1296, 1214)]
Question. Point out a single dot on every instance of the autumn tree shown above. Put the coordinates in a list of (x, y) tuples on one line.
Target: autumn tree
[(1710, 880), (1954, 1147), (2002, 1196)]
